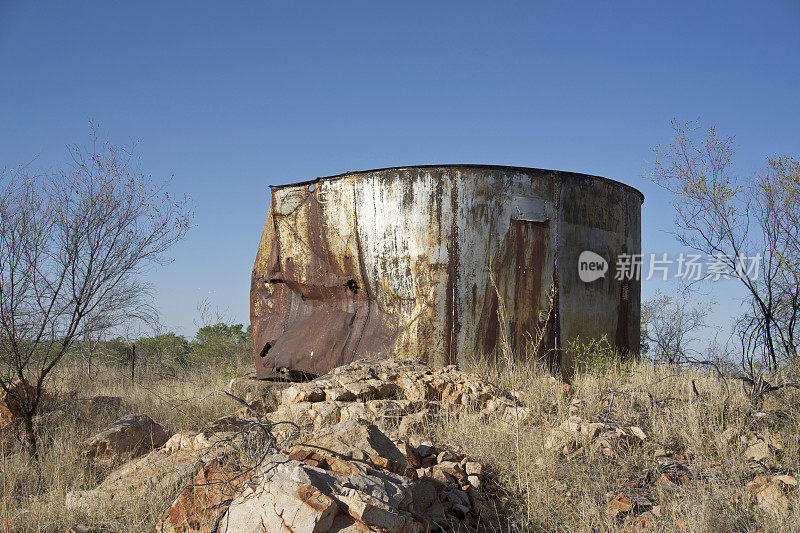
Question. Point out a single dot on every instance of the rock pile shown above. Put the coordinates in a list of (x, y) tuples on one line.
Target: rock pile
[(353, 463), (575, 435), (350, 478), (395, 394), (769, 493), (761, 446), (356, 461), (638, 508), (156, 471), (164, 469)]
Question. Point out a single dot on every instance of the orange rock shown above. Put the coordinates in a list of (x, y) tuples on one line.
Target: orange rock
[(196, 507), (450, 468), (474, 468), (665, 481), (620, 504), (326, 462), (772, 500), (128, 437), (10, 408)]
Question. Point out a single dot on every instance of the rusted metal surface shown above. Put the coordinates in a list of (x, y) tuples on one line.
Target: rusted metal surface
[(409, 262)]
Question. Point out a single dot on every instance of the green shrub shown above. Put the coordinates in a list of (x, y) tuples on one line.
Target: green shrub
[(595, 355)]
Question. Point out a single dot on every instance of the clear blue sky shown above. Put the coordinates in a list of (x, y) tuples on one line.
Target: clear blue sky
[(232, 97)]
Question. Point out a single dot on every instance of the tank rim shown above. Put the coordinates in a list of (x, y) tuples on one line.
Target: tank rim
[(462, 165)]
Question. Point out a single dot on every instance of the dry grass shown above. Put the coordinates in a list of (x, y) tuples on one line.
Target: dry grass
[(534, 489), (538, 490), (29, 502)]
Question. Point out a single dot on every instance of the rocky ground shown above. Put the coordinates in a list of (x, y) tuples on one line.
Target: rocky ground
[(340, 453), (397, 446)]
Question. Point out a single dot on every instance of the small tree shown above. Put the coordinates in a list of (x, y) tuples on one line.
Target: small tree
[(164, 350), (669, 324), (216, 339), (735, 219), (73, 244), (221, 340)]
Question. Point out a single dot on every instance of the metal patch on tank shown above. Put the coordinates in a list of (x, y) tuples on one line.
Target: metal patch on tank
[(531, 209)]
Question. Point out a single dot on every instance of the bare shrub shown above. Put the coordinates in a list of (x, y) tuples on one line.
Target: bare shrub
[(670, 323), (72, 245), (735, 218)]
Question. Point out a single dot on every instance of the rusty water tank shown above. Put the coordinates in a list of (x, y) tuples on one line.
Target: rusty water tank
[(438, 262)]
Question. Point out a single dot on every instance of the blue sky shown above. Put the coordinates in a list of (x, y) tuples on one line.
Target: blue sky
[(232, 97)]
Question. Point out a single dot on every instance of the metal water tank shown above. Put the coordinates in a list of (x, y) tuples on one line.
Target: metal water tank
[(440, 262)]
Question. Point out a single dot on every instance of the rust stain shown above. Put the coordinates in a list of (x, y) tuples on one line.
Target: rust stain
[(314, 498)]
